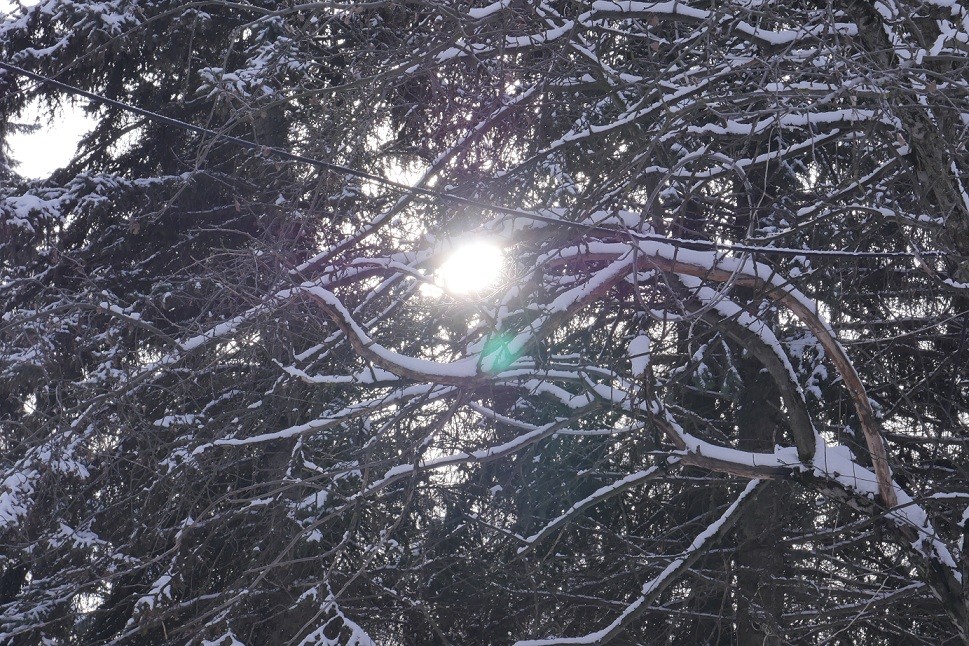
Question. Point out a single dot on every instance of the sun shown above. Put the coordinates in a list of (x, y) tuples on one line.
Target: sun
[(472, 267)]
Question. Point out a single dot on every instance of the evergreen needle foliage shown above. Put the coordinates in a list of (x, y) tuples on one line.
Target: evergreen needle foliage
[(716, 393)]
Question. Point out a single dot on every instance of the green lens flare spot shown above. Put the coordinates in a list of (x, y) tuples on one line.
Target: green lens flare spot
[(496, 355)]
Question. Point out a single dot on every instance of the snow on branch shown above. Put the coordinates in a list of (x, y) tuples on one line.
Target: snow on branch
[(720, 268), (653, 588)]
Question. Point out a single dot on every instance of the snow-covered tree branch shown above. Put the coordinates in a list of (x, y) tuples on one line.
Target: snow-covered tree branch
[(508, 322)]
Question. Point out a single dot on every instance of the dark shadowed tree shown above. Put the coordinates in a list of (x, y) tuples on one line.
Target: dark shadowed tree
[(716, 395)]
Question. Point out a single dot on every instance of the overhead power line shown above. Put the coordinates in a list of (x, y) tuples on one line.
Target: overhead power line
[(421, 191)]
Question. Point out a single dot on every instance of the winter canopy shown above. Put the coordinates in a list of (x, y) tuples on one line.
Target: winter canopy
[(448, 322)]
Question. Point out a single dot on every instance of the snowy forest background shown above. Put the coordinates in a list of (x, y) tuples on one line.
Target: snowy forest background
[(717, 395)]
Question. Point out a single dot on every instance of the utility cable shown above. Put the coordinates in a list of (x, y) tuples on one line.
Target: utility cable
[(279, 153)]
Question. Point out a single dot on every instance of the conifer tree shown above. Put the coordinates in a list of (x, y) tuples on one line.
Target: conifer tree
[(715, 395)]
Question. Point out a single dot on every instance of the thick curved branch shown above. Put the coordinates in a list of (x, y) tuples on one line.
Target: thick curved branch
[(648, 255), (763, 279), (760, 341)]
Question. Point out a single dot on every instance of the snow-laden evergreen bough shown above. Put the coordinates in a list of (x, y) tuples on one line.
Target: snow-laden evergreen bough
[(716, 395)]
